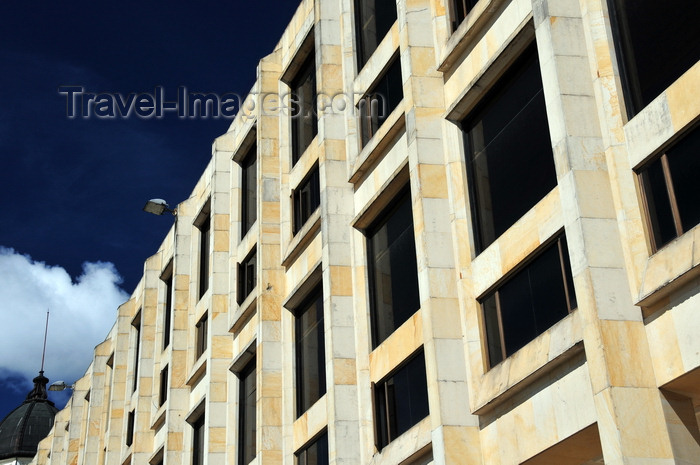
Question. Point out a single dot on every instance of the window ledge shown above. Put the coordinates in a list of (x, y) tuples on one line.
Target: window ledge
[(305, 162), (397, 348), (310, 423), (377, 145), (673, 266), (404, 446), (467, 32), (302, 238), (376, 63), (159, 417), (548, 351), (198, 371), (244, 311)]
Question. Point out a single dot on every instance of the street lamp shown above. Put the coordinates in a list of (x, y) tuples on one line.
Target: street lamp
[(158, 207), (61, 386)]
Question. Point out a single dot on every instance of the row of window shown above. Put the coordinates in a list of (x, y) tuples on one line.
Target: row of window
[(509, 168)]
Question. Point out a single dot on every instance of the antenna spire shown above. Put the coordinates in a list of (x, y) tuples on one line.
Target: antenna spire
[(43, 353)]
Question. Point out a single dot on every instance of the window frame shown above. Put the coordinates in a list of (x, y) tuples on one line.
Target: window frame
[(167, 279), (625, 45), (303, 210), (130, 423), (382, 416), (249, 163), (247, 275), (311, 300), (163, 386), (403, 195), (459, 10), (370, 123), (508, 80), (361, 38), (307, 70), (198, 439), (201, 336), (301, 457), (655, 241), (244, 456), (136, 324), (204, 227), (558, 241)]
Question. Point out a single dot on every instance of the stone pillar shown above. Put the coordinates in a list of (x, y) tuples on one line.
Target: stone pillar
[(220, 343), (628, 402), (455, 433), (336, 217), (270, 284)]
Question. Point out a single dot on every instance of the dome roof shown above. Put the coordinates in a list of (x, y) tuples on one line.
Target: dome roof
[(25, 426)]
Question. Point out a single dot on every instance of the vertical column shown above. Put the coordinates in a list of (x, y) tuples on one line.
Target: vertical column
[(117, 415), (455, 433), (99, 387), (628, 404), (270, 274), (220, 344), (178, 393), (336, 216), (142, 446)]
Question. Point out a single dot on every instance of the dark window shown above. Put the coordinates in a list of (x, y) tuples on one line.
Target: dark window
[(460, 10), (129, 440), (201, 337), (198, 441), (303, 108), (163, 391), (204, 240), (373, 19), (529, 302), (167, 311), (307, 198), (656, 44), (392, 266), (249, 190), (246, 276), (136, 324), (246, 424), (380, 101), (310, 351), (400, 401), (671, 190), (315, 453), (510, 165)]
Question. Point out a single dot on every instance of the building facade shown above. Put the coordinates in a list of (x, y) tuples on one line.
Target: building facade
[(450, 232)]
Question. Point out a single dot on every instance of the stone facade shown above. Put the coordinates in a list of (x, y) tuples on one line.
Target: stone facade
[(614, 380)]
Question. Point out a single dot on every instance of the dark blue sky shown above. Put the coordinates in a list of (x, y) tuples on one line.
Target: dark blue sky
[(72, 190)]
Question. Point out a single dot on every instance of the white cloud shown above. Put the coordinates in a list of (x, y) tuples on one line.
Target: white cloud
[(82, 313)]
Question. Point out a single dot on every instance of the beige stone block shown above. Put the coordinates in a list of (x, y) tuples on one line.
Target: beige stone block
[(687, 327), (432, 180), (684, 98), (341, 280), (445, 318), (639, 421), (271, 413), (270, 383), (397, 347), (667, 264), (344, 371), (462, 445), (664, 348), (627, 353), (217, 440)]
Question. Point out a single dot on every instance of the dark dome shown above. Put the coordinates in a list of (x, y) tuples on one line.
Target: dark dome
[(25, 426)]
